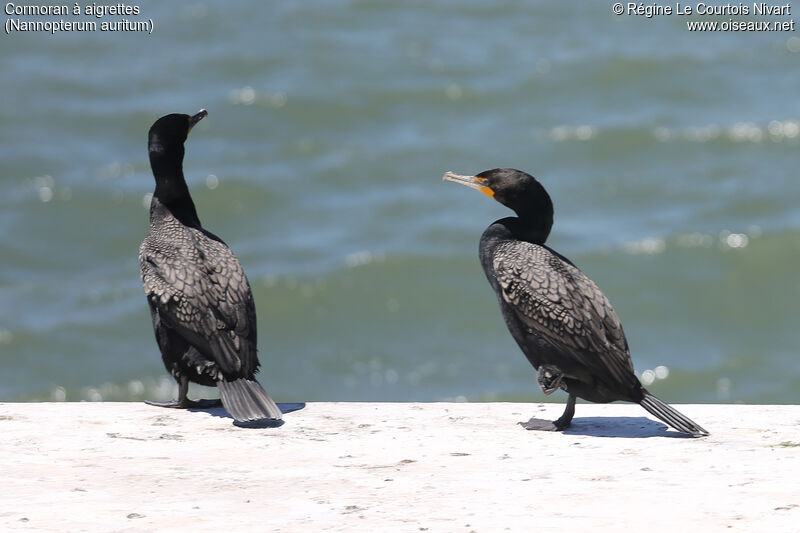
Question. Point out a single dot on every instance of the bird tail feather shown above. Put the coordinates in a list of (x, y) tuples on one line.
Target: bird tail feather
[(671, 416), (246, 400)]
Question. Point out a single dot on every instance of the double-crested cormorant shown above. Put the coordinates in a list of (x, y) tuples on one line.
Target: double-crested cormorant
[(561, 320), (200, 300)]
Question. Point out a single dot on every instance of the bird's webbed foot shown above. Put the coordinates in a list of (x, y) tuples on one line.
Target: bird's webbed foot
[(187, 404), (561, 424), (183, 401), (549, 378), (538, 424)]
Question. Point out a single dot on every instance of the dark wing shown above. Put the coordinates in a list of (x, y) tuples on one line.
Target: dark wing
[(559, 303), (201, 292)]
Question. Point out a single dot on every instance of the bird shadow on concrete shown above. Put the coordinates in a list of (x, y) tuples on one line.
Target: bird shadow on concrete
[(220, 412), (629, 427)]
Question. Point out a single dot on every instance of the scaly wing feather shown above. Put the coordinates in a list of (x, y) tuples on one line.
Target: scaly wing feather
[(559, 303), (200, 290)]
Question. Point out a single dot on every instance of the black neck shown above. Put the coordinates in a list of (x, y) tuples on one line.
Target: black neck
[(534, 229), (173, 193), (171, 190)]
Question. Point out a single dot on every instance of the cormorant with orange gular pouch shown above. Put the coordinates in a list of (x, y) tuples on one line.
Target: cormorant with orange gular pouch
[(560, 319), (200, 301)]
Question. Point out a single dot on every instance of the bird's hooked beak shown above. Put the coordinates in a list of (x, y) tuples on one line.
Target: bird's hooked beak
[(473, 182), (197, 118)]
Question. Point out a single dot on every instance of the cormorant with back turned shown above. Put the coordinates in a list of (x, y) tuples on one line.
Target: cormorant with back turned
[(560, 319), (200, 301)]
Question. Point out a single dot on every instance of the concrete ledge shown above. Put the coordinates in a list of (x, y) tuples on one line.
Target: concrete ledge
[(396, 467)]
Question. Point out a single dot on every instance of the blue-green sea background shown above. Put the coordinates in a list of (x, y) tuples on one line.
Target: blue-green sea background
[(671, 157)]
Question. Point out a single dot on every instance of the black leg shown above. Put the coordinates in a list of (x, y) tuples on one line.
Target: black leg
[(566, 419), (183, 391)]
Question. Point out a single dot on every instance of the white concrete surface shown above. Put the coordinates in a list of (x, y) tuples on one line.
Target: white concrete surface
[(397, 467)]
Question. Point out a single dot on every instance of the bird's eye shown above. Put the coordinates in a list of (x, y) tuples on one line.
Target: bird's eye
[(483, 181)]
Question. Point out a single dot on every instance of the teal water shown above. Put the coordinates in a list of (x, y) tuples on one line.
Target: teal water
[(671, 158)]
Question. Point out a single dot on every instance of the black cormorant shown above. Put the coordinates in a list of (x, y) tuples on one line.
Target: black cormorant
[(200, 300), (561, 320)]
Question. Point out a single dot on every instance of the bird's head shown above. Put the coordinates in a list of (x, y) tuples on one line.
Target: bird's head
[(167, 134), (516, 190)]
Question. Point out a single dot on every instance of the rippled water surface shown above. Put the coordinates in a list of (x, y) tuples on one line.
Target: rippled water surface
[(671, 158)]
